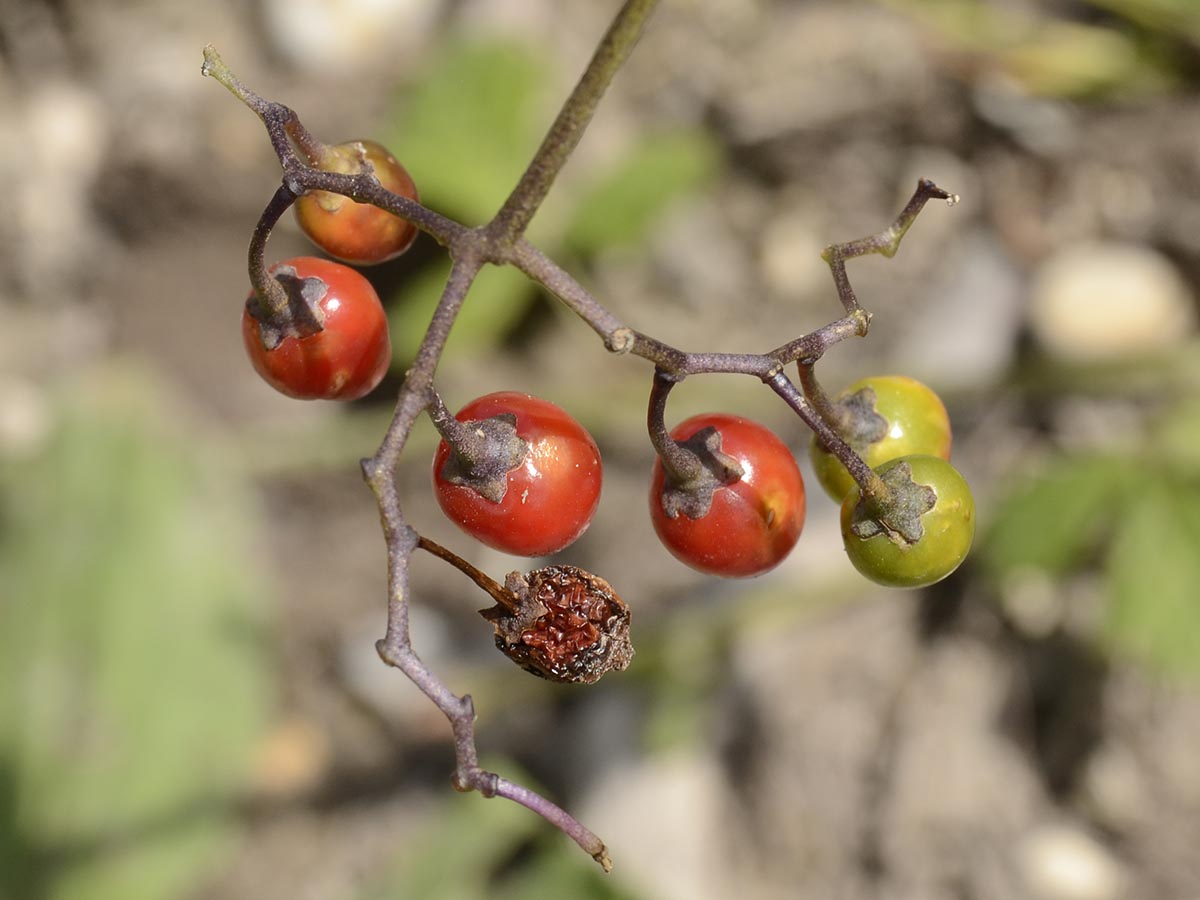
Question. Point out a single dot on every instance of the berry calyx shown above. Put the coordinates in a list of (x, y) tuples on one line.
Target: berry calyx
[(356, 232), (916, 535), (343, 360)]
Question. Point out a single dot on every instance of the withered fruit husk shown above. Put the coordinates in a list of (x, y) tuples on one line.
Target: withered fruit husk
[(566, 625)]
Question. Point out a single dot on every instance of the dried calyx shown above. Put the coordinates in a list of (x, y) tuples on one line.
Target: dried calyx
[(564, 624), (693, 495), (898, 515), (857, 420), (484, 451), (303, 316)]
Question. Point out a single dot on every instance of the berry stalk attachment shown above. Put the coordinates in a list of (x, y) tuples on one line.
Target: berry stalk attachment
[(923, 530), (726, 497), (516, 472), (561, 623), (559, 620)]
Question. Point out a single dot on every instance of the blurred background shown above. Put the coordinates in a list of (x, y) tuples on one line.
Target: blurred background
[(192, 574)]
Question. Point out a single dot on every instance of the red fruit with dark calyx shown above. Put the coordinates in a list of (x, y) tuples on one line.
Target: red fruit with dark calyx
[(351, 353), (546, 497), (753, 521)]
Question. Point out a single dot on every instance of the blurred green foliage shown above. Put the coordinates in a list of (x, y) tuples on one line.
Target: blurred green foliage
[(507, 853), (1173, 18), (133, 678), (1135, 52), (621, 204), (467, 130), (1133, 519)]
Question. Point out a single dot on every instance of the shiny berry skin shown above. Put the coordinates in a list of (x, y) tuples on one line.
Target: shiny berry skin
[(909, 419), (753, 523), (550, 497), (356, 232), (948, 529), (343, 361)]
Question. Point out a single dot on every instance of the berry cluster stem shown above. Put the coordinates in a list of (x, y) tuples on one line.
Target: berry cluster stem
[(455, 433), (572, 120), (501, 242), (679, 463), (270, 293), (816, 396), (485, 582), (870, 482), (885, 242)]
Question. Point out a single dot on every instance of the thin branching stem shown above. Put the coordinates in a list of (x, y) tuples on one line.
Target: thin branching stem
[(816, 396), (680, 464), (886, 242), (572, 120), (556, 816), (501, 242), (270, 292), (485, 582), (872, 485)]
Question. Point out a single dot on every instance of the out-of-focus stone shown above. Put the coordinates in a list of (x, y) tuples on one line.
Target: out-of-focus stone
[(347, 35), (1107, 301), (1114, 787), (25, 418), (662, 820), (790, 253), (292, 758), (1060, 862), (853, 63), (56, 145), (962, 334)]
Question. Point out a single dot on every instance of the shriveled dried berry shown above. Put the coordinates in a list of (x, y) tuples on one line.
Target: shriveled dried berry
[(565, 624)]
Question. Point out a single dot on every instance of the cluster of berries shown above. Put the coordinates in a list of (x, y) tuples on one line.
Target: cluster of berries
[(523, 476)]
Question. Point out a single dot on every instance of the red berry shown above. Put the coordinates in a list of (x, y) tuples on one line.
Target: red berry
[(343, 361), (753, 522), (551, 494), (358, 232)]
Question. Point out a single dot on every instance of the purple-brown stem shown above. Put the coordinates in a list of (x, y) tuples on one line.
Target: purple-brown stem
[(501, 243), (455, 433), (572, 120), (680, 464), (886, 242), (872, 485), (817, 398), (486, 583)]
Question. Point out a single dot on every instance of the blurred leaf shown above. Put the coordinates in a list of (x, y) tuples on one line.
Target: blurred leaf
[(558, 872), (622, 204), (131, 671), (469, 129), (1154, 576), (1069, 59), (1054, 520), (497, 300), (1176, 440), (1173, 18), (475, 849), (1050, 55), (464, 844)]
